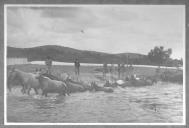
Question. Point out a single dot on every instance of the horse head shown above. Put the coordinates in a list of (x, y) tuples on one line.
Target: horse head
[(38, 74)]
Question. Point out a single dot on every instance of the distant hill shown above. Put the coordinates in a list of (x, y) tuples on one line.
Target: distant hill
[(66, 54)]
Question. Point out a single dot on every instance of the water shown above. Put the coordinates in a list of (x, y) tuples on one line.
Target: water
[(161, 103)]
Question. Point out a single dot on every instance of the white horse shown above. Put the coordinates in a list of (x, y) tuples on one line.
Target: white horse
[(26, 80)]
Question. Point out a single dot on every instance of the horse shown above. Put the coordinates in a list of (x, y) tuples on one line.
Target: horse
[(74, 87), (108, 84), (52, 77), (10, 80), (98, 88), (51, 86), (26, 80)]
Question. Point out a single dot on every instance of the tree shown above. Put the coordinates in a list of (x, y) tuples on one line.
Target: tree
[(159, 56)]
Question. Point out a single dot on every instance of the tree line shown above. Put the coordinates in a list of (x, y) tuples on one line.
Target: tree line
[(158, 56), (161, 57)]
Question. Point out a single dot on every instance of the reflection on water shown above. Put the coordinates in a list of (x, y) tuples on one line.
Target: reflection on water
[(153, 104)]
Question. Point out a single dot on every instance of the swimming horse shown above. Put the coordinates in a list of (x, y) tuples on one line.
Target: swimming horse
[(99, 88), (26, 80)]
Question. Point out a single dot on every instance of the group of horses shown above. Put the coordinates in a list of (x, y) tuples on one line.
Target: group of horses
[(51, 84), (36, 81), (48, 83)]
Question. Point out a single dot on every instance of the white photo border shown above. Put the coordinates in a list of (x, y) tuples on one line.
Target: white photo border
[(87, 5)]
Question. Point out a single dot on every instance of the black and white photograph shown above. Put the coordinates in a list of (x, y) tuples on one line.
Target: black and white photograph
[(94, 64)]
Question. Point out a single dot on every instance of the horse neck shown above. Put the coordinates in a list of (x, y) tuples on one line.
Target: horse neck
[(20, 74), (43, 79)]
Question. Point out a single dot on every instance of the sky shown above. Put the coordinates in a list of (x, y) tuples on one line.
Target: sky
[(111, 29)]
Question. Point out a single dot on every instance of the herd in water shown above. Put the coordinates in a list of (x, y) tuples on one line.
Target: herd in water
[(48, 83)]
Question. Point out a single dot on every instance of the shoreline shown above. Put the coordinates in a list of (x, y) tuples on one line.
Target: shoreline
[(92, 64)]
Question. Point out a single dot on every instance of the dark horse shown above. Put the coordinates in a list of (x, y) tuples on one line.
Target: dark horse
[(98, 88)]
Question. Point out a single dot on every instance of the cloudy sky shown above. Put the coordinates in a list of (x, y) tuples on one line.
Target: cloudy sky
[(112, 29)]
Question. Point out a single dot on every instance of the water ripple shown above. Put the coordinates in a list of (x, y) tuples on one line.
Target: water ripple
[(159, 103)]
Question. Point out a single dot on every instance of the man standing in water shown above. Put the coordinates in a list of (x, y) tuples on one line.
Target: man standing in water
[(105, 68), (119, 70), (77, 65), (48, 63), (123, 70), (112, 72)]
